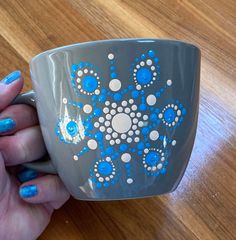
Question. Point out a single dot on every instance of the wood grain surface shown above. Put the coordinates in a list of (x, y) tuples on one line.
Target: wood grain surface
[(204, 205)]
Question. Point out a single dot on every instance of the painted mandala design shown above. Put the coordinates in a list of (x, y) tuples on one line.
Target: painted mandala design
[(122, 121)]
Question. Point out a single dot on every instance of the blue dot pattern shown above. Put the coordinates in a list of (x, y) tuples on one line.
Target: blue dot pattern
[(121, 123)]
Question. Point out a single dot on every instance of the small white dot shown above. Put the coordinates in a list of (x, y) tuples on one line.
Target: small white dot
[(107, 179), (108, 116), (112, 142), (159, 166), (137, 66), (140, 124), (97, 174), (138, 87), (106, 110), (142, 63), (85, 70), (154, 168), (135, 120), (176, 119), (173, 143), (109, 130), (118, 141), (131, 133), (101, 179), (129, 180), (179, 112), (169, 82), (107, 103), (129, 140), (64, 100), (102, 129), (125, 157), (92, 144), (160, 115), (154, 74), (138, 114), (119, 109), (134, 127), (136, 139), (123, 136), (96, 124), (110, 56), (108, 137), (127, 110), (78, 81), (149, 168), (87, 108), (80, 73), (115, 85), (132, 114), (75, 157), (91, 71), (151, 100), (108, 159), (124, 103), (154, 135), (131, 101), (101, 119), (137, 132), (114, 134), (149, 62), (97, 91), (145, 117), (113, 112), (114, 105), (152, 68), (107, 123), (134, 107), (146, 150)]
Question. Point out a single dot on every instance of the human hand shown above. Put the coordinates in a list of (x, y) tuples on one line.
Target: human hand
[(25, 209)]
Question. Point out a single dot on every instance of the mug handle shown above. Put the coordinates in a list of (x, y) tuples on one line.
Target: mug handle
[(44, 164)]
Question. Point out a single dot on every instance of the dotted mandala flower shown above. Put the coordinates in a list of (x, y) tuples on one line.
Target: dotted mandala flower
[(122, 121)]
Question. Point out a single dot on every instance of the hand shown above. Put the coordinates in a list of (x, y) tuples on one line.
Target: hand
[(25, 209)]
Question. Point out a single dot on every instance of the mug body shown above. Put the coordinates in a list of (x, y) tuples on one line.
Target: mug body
[(118, 117)]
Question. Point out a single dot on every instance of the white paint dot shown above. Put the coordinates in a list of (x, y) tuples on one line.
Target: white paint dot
[(80, 73), (138, 87), (129, 180), (96, 124), (87, 108), (137, 132), (102, 129), (109, 130), (154, 135), (152, 68), (101, 179), (137, 66), (169, 82), (106, 110), (115, 85), (135, 120), (154, 168), (85, 70), (134, 127), (75, 157), (112, 142), (97, 91), (101, 119), (113, 112), (176, 119), (118, 141), (142, 63), (114, 134), (179, 112), (108, 137), (145, 117), (149, 62), (92, 144), (107, 123), (159, 166), (108, 116), (64, 100), (124, 103), (129, 140), (173, 143), (127, 110), (134, 107), (139, 114), (123, 136), (110, 56), (131, 133), (107, 179), (146, 150), (131, 101), (132, 114), (114, 105), (151, 100), (136, 139), (121, 123), (125, 157), (140, 124), (107, 103), (119, 109), (160, 115)]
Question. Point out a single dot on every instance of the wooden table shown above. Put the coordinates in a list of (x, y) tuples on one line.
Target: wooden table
[(204, 205)]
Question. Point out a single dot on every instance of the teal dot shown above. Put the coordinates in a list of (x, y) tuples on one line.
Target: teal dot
[(169, 115), (152, 158), (105, 168), (89, 84), (72, 128), (144, 75)]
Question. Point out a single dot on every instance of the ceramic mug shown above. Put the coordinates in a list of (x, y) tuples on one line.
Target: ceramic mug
[(118, 117)]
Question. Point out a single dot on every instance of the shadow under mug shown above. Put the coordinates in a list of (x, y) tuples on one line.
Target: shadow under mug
[(118, 117)]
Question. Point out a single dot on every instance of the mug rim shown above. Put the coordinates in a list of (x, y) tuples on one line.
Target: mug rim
[(115, 40)]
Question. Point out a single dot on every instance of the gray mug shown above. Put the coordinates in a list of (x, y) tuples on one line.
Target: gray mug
[(118, 117)]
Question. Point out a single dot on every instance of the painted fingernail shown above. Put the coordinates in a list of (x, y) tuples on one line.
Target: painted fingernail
[(11, 77), (28, 191), (6, 125), (27, 175)]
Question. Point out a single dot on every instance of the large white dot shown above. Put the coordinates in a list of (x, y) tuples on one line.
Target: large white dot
[(87, 108), (115, 85), (154, 135), (110, 56), (92, 144), (125, 157), (129, 180), (151, 99), (149, 62), (169, 82), (121, 123)]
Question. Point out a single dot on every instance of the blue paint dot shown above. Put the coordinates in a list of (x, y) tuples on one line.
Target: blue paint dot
[(158, 94), (106, 184), (144, 75), (73, 75), (102, 98), (127, 165), (156, 60), (184, 111), (151, 53), (89, 83), (112, 68), (105, 168), (94, 98), (143, 56), (117, 96), (98, 136), (152, 158), (113, 75), (109, 150), (140, 145), (88, 126), (157, 110), (72, 128), (142, 107), (140, 153), (103, 90), (145, 131), (81, 65), (153, 117), (97, 112), (80, 105), (169, 115), (135, 94), (98, 185), (123, 147), (136, 59), (74, 67), (130, 87), (163, 171)]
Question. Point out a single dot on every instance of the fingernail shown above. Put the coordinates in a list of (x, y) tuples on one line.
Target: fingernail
[(11, 77), (28, 191), (27, 175), (6, 125)]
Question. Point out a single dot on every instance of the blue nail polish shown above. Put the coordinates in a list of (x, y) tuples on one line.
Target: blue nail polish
[(11, 77), (27, 175), (6, 125), (28, 191)]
